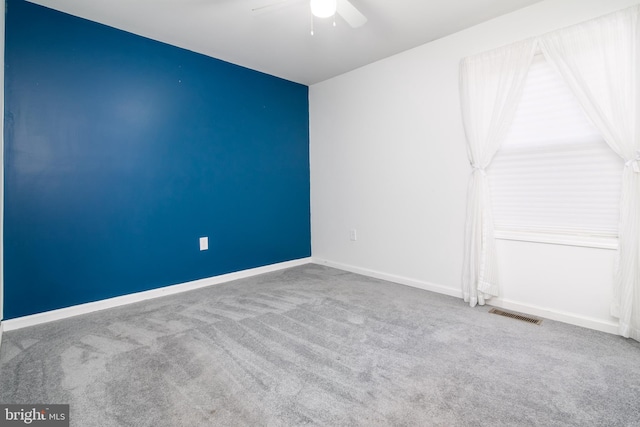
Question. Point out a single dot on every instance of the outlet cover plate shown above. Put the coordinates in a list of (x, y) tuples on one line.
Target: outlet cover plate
[(204, 243)]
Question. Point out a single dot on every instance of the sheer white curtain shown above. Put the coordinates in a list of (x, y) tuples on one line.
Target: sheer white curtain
[(599, 61), (490, 88)]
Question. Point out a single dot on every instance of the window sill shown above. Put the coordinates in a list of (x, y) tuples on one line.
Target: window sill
[(600, 242)]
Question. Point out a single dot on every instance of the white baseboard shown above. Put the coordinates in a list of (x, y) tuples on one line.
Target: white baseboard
[(570, 318), (63, 313), (427, 286)]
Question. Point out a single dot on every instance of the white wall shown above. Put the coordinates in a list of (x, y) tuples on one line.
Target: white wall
[(388, 158)]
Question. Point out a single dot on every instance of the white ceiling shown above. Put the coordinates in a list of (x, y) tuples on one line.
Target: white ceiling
[(277, 40)]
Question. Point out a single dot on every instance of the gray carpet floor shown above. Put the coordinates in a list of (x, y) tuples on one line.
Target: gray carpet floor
[(313, 345)]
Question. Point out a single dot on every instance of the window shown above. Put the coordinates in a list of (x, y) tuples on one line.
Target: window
[(554, 179)]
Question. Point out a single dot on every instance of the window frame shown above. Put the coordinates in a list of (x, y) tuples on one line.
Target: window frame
[(567, 238)]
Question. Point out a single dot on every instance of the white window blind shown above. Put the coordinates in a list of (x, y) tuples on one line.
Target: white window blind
[(554, 174)]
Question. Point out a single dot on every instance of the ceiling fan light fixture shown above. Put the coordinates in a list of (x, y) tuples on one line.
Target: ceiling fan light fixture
[(323, 8)]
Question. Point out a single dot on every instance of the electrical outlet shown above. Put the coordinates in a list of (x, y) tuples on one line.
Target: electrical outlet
[(353, 235), (204, 243)]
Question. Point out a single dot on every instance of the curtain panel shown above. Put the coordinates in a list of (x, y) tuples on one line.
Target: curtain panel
[(490, 89), (599, 61)]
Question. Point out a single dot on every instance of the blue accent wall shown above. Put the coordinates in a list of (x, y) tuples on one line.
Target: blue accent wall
[(120, 152)]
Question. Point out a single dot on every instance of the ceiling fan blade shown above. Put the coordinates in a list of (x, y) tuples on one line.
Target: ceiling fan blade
[(272, 6), (350, 14)]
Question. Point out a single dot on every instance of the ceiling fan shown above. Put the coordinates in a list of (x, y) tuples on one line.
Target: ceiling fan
[(324, 9)]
